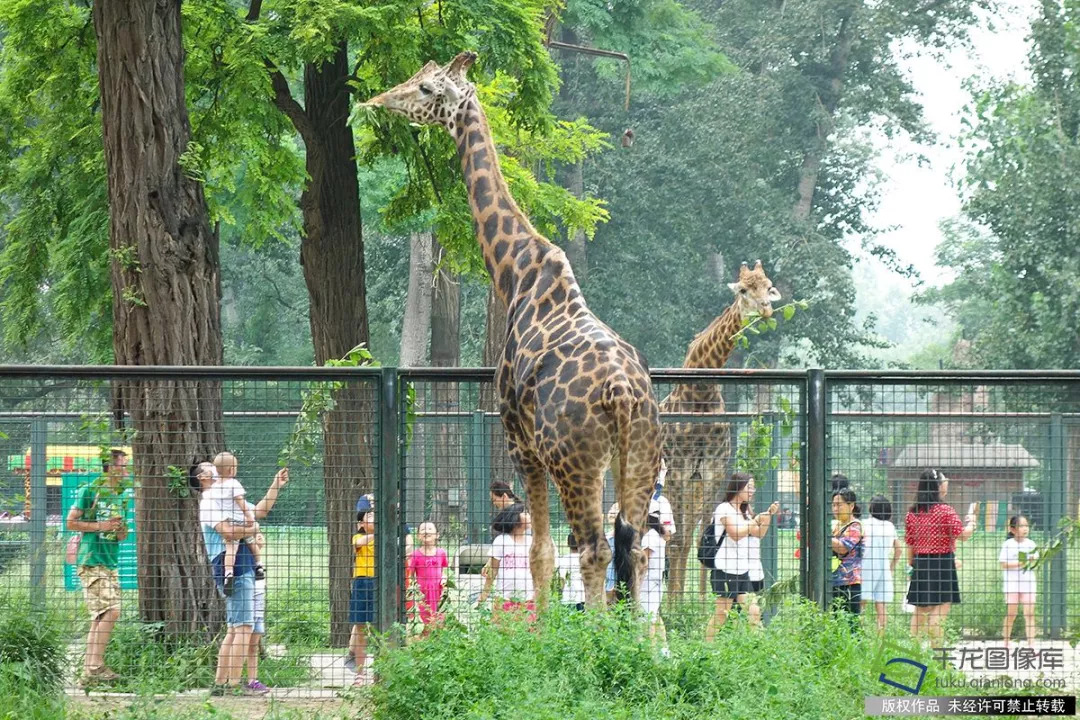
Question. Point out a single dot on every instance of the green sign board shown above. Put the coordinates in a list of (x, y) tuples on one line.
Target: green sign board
[(73, 483)]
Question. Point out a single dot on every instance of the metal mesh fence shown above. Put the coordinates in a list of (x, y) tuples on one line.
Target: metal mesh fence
[(425, 446)]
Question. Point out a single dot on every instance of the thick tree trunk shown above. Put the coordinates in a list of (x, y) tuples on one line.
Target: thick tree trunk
[(416, 325), (446, 352), (332, 255), (166, 299), (415, 334)]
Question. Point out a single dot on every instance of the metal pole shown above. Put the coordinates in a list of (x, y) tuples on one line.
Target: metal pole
[(814, 543), (389, 542), (39, 439), (477, 458), (1054, 502), (770, 490)]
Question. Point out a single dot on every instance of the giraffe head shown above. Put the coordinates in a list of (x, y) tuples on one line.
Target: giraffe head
[(754, 291), (434, 95)]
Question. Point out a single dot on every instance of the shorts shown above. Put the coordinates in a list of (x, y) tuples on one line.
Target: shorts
[(101, 588), (756, 586), (877, 585), (240, 606), (726, 585), (1020, 598), (362, 601), (848, 597), (259, 628)]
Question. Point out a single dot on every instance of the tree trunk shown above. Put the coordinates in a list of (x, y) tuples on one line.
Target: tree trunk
[(415, 333), (494, 342), (829, 97), (446, 352), (416, 326), (575, 246), (166, 299), (332, 255)]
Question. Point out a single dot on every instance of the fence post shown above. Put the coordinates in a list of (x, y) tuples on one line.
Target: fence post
[(770, 490), (1054, 502), (478, 459), (814, 544), (39, 439), (389, 543)]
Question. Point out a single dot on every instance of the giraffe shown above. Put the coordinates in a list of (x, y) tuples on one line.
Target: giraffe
[(697, 453), (574, 397)]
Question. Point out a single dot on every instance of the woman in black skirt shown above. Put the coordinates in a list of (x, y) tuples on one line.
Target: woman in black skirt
[(931, 530)]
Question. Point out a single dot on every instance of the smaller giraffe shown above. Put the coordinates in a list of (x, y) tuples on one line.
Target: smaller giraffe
[(698, 453)]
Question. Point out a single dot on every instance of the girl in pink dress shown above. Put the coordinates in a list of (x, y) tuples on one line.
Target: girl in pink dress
[(428, 564)]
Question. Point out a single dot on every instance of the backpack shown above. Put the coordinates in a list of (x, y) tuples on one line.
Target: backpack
[(710, 545)]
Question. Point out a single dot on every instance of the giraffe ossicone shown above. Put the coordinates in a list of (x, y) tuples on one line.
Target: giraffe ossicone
[(575, 398)]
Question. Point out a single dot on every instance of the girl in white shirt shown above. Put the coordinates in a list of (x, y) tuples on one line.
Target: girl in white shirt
[(652, 584), (1019, 584), (510, 577)]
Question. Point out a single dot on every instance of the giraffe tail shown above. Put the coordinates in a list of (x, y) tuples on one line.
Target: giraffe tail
[(619, 401)]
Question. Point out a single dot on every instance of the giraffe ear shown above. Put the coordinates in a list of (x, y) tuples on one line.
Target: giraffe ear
[(734, 287), (451, 92), (774, 295)]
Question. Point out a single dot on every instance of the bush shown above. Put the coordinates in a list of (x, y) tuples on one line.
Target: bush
[(299, 616), (807, 664), (31, 665)]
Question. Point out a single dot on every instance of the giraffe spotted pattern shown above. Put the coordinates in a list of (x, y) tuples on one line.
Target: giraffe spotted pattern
[(575, 398)]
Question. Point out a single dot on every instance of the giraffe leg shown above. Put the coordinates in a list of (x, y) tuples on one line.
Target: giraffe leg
[(542, 551), (679, 494), (633, 490), (582, 494)]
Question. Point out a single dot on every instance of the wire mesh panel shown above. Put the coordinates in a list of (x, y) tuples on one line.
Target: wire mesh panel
[(104, 523), (998, 452), (458, 477)]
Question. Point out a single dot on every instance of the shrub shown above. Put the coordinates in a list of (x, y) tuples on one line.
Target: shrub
[(31, 665), (806, 664)]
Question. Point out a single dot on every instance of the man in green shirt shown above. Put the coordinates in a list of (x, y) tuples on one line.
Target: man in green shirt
[(99, 514)]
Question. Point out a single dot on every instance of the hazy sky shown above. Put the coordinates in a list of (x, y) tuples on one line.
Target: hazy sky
[(914, 198)]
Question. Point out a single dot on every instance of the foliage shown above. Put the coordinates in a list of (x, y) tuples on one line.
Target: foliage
[(31, 649), (300, 616), (155, 662), (756, 323), (178, 481), (1016, 255), (695, 199), (302, 445), (755, 454), (588, 665)]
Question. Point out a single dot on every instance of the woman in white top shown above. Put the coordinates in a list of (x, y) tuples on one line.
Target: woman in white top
[(731, 575), (1019, 584)]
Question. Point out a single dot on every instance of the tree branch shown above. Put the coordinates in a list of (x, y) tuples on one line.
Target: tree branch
[(287, 104)]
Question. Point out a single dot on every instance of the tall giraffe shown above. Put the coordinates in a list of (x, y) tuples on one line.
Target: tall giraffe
[(697, 454), (575, 398)]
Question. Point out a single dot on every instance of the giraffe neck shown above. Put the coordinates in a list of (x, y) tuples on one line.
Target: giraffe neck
[(713, 345), (502, 228)]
